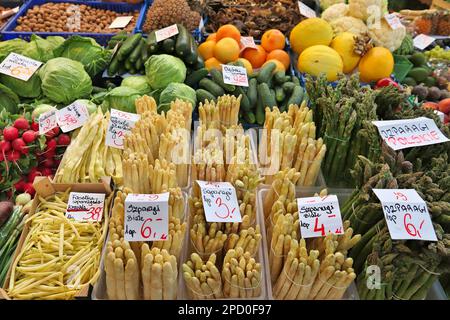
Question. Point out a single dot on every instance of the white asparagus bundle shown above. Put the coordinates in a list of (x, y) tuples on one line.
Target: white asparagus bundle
[(59, 256), (295, 145), (241, 275), (203, 279), (159, 274), (146, 104), (87, 158), (248, 239), (223, 113), (174, 242)]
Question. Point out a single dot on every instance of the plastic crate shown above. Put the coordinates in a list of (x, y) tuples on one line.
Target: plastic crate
[(102, 38)]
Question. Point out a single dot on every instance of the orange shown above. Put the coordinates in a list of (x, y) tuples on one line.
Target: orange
[(377, 63), (206, 49), (213, 63), (228, 31), (212, 37), (273, 39), (226, 50), (257, 56), (281, 56), (247, 65), (280, 66)]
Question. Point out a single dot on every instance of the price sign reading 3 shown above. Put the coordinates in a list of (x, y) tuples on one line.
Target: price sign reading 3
[(406, 214), (85, 207), (120, 123)]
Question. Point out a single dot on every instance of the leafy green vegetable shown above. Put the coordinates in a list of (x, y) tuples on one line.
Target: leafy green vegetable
[(174, 91), (15, 45), (8, 99), (92, 107), (65, 80), (121, 98), (40, 109), (138, 83), (26, 89), (41, 49), (164, 69), (87, 51)]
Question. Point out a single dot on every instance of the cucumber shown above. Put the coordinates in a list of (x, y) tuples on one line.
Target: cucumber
[(139, 64), (128, 65), (296, 96), (113, 67), (203, 95), (217, 77), (135, 54), (295, 80), (245, 103), (212, 87), (182, 44), (122, 70), (249, 117), (266, 97), (266, 72), (200, 63), (253, 75), (168, 46), (144, 53), (259, 114), (280, 77), (152, 45), (288, 87), (193, 79), (279, 94), (192, 55), (252, 93), (128, 46)]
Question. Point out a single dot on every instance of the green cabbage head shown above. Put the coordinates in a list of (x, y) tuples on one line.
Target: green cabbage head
[(176, 91), (121, 98), (8, 100), (65, 80), (163, 69), (15, 45), (42, 49), (25, 89)]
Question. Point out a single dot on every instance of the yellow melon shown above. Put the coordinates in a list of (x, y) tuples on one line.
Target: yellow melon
[(344, 44), (321, 59), (310, 32)]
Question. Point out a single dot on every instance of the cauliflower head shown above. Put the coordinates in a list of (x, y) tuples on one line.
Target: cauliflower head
[(334, 12), (363, 9), (349, 24), (384, 36), (324, 4)]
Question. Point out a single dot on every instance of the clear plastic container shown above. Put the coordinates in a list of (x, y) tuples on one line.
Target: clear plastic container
[(436, 292)]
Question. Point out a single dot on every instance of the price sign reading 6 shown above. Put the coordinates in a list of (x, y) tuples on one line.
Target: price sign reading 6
[(146, 229), (411, 228)]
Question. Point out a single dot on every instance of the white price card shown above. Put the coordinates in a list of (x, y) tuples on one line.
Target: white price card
[(406, 214), (85, 206), (47, 121), (147, 217), (72, 117), (248, 42), (402, 134), (319, 216), (393, 21), (306, 11), (220, 202), (166, 33), (235, 75), (120, 123), (422, 41), (120, 22), (19, 67), (441, 115)]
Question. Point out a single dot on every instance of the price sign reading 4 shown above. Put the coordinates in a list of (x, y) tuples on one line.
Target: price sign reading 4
[(85, 206), (18, 66), (147, 217), (72, 117), (166, 33), (406, 214), (220, 202), (47, 121), (120, 123), (319, 216), (235, 75)]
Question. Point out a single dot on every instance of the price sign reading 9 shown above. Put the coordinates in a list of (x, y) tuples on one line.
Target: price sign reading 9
[(147, 217), (406, 214)]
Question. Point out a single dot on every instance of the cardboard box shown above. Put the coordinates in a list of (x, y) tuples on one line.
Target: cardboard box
[(44, 188)]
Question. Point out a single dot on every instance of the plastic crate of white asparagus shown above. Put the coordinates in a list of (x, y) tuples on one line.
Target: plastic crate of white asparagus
[(306, 284), (100, 290)]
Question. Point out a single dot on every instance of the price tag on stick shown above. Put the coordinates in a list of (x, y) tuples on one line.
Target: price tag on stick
[(72, 117), (319, 216), (120, 22), (147, 217), (19, 67), (85, 206), (235, 75), (406, 214), (120, 123), (402, 134), (220, 202), (166, 33), (306, 11), (47, 121)]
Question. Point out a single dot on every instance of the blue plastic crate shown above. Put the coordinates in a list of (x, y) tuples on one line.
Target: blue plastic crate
[(102, 38)]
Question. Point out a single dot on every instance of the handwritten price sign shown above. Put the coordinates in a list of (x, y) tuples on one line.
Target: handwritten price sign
[(85, 207), (120, 123), (319, 216), (72, 117), (248, 42), (19, 67), (402, 134), (306, 11), (147, 217), (422, 41), (220, 202), (235, 75), (393, 21), (47, 121), (166, 33), (406, 214)]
